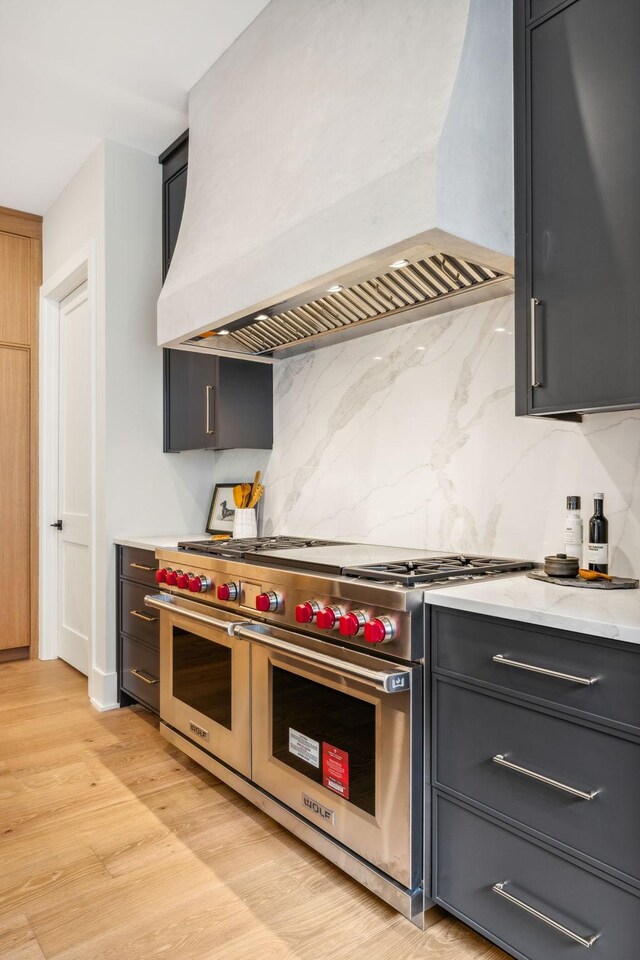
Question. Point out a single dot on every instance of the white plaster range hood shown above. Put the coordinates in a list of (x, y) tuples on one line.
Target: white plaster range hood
[(332, 142)]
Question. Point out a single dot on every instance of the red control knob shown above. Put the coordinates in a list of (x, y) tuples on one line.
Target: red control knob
[(352, 623), (268, 602), (161, 575), (200, 584), (227, 591), (305, 612), (379, 630), (182, 580), (327, 619), (172, 577)]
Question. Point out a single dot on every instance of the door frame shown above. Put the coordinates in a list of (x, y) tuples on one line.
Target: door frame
[(78, 269)]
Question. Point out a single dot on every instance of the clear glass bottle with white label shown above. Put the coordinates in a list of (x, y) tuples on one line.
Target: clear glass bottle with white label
[(598, 549), (573, 529)]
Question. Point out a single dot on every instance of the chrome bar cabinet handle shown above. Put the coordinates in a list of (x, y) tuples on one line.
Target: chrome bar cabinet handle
[(141, 566), (499, 888), (208, 390), (141, 676), (507, 662), (502, 761), (142, 616), (535, 381)]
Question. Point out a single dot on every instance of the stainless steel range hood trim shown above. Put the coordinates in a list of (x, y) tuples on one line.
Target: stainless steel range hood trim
[(441, 268)]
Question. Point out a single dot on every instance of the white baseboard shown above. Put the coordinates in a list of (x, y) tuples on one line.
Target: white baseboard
[(103, 690)]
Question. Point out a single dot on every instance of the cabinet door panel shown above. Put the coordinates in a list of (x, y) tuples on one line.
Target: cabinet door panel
[(175, 193), (190, 380), (16, 289), (14, 498), (585, 196)]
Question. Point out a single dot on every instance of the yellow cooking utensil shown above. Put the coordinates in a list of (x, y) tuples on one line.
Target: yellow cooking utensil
[(256, 495), (254, 485), (593, 575), (246, 494), (238, 496)]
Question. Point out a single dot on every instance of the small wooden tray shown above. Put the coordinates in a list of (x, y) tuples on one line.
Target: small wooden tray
[(618, 583)]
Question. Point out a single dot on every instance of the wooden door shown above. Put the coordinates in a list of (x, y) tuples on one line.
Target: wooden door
[(20, 277)]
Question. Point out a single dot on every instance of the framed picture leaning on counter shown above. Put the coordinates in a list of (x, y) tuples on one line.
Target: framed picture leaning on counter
[(222, 510)]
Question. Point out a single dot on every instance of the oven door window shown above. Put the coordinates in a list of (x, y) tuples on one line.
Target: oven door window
[(326, 735), (202, 675)]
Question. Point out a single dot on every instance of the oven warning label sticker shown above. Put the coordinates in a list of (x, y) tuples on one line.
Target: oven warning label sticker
[(304, 747), (335, 769)]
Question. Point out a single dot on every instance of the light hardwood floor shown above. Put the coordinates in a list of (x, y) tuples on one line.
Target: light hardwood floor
[(116, 847)]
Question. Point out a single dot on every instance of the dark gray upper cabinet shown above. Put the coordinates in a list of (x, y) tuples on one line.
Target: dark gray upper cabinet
[(174, 160), (216, 403), (210, 403), (577, 89)]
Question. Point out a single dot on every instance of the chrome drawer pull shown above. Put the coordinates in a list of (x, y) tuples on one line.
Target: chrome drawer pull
[(505, 661), (141, 566), (502, 761), (142, 616), (499, 888), (140, 675)]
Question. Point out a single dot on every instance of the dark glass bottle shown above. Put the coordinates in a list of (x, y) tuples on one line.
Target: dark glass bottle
[(598, 548)]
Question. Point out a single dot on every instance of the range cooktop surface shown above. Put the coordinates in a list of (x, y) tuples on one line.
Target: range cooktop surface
[(339, 557), (427, 568), (406, 566), (245, 547)]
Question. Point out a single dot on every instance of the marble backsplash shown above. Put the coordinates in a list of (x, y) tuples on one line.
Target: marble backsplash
[(409, 437)]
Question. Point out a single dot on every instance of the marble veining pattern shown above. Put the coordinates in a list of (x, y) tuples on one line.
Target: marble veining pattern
[(408, 437)]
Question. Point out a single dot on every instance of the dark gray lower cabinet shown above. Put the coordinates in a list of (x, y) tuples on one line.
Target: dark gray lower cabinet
[(138, 630), (475, 854), (536, 786)]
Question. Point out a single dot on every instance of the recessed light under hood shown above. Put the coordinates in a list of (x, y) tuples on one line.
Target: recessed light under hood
[(374, 296)]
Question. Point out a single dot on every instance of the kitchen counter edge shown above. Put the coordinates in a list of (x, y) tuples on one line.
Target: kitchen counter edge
[(614, 614), (157, 542)]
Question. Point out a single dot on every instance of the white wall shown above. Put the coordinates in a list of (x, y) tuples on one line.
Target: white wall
[(409, 437), (115, 200)]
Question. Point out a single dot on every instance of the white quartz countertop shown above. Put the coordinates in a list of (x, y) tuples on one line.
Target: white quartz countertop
[(158, 543), (603, 613)]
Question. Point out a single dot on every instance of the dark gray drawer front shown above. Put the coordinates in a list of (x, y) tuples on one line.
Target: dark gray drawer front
[(141, 672), (138, 621), (473, 854), (139, 565), (465, 645), (472, 728)]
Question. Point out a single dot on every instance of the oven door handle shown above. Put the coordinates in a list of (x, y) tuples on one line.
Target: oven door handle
[(167, 604), (397, 681)]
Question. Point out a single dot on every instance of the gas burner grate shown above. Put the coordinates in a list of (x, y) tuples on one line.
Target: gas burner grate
[(237, 549), (429, 569)]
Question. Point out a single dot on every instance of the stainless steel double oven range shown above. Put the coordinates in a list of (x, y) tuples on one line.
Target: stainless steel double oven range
[(294, 671)]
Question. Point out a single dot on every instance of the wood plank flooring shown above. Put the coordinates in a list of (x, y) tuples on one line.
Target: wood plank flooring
[(117, 847)]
